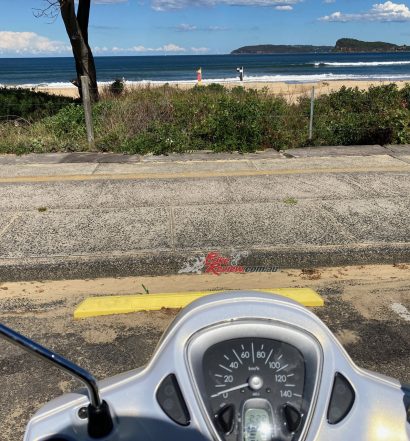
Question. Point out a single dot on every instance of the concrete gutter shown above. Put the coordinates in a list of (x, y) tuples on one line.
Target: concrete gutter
[(157, 263), (202, 155)]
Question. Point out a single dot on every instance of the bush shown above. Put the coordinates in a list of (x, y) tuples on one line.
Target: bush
[(28, 104), (167, 119), (350, 116), (117, 87), (68, 122)]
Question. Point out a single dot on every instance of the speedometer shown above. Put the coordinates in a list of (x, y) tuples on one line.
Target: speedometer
[(254, 388)]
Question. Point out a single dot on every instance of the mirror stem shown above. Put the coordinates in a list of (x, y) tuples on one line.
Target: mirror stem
[(99, 417)]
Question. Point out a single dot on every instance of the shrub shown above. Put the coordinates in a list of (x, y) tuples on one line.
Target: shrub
[(213, 87), (352, 117), (68, 122), (28, 104), (117, 87), (167, 119)]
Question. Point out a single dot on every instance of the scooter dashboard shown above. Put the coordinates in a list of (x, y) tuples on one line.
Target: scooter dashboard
[(240, 366), (256, 379)]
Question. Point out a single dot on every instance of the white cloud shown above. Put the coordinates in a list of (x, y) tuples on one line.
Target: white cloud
[(328, 2), (216, 28), (163, 5), (386, 12), (29, 43), (171, 48), (284, 8), (101, 49), (199, 50), (166, 48), (184, 27)]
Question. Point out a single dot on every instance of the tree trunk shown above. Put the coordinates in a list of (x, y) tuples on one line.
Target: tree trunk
[(77, 30)]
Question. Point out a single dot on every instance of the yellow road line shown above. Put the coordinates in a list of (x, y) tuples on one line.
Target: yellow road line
[(108, 305), (196, 174)]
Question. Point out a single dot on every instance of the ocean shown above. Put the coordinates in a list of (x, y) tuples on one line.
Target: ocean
[(292, 68)]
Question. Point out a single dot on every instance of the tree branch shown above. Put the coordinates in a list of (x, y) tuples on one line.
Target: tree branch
[(50, 11), (76, 25), (83, 17)]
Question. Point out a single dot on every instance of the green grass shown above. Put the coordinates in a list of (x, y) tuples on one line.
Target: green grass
[(166, 119), (290, 201)]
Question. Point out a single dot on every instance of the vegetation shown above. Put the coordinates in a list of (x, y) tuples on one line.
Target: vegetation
[(117, 87), (290, 201), (352, 117), (167, 119), (352, 45), (281, 49), (342, 45), (24, 103)]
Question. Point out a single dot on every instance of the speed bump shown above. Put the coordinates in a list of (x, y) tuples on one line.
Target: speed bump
[(109, 305)]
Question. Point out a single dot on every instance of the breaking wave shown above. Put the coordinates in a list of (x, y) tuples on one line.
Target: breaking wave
[(362, 63), (248, 79), (284, 79)]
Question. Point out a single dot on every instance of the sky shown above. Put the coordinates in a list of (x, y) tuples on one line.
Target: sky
[(159, 27)]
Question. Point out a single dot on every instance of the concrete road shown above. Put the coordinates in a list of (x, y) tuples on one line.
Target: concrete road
[(73, 216), (365, 306)]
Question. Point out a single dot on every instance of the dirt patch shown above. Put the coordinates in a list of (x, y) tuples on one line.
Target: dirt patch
[(357, 309), (401, 266), (98, 336), (347, 337), (311, 274)]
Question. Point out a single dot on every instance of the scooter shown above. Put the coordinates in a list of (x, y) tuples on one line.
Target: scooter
[(235, 366)]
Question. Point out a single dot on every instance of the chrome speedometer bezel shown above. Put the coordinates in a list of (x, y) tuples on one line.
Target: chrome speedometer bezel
[(305, 342)]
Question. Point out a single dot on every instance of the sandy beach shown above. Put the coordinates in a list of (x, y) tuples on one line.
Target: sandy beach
[(291, 91)]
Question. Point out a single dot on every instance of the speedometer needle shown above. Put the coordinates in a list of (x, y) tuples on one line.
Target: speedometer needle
[(230, 390)]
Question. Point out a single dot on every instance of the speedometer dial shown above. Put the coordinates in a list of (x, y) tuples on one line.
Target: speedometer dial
[(255, 388)]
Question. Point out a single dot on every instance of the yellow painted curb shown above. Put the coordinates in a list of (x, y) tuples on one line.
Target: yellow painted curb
[(108, 305), (198, 174)]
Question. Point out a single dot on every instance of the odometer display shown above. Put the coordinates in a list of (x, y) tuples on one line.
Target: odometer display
[(243, 369), (256, 425)]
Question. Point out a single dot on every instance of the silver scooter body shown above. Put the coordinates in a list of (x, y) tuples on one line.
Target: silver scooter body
[(378, 411)]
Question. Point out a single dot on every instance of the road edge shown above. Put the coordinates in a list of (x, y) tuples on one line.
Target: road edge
[(162, 263)]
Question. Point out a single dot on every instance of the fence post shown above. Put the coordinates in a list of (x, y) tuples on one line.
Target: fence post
[(85, 87), (312, 108)]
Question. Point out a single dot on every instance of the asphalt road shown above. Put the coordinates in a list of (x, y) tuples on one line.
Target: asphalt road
[(70, 220), (359, 309)]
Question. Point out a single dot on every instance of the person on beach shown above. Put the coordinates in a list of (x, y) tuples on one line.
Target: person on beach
[(240, 71)]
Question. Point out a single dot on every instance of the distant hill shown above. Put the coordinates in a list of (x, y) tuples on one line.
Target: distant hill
[(352, 45), (281, 49), (342, 45)]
